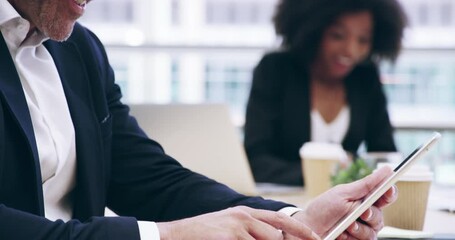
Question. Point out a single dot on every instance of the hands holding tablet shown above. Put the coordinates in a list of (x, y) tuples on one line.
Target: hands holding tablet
[(348, 211), (353, 211), (320, 216), (236, 223), (324, 212)]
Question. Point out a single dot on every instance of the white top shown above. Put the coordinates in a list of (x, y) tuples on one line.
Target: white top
[(333, 132)]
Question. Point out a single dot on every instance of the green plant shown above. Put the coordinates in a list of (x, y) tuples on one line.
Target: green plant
[(357, 170)]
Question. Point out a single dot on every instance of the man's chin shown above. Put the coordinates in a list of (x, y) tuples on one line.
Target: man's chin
[(59, 35), (63, 39)]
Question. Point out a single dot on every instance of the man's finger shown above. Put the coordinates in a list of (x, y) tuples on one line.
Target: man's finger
[(389, 197), (286, 223), (262, 230), (359, 230), (373, 218), (360, 188)]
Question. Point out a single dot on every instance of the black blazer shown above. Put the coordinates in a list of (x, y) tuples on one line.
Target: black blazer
[(278, 116), (117, 164)]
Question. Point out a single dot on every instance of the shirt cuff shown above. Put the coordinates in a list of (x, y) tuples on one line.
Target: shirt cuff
[(290, 210), (148, 230)]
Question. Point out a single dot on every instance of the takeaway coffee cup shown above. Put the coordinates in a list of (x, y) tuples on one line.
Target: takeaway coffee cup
[(408, 212), (319, 162)]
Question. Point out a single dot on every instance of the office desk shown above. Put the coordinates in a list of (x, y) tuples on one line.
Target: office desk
[(437, 222)]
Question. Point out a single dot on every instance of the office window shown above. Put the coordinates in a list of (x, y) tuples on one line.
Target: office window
[(231, 12), (175, 81), (121, 76), (423, 14), (446, 14), (423, 78), (175, 12), (218, 12), (229, 84), (113, 11), (246, 12)]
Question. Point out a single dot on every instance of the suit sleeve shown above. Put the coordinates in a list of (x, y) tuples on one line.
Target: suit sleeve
[(19, 225), (379, 135), (148, 184), (152, 186), (262, 124)]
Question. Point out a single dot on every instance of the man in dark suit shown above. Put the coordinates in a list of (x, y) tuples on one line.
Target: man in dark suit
[(68, 149)]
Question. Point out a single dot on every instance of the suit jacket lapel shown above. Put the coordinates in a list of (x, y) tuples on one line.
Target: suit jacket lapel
[(358, 105), (11, 88), (299, 97), (77, 91), (75, 81)]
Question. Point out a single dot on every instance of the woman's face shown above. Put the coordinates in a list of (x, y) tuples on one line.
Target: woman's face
[(344, 44)]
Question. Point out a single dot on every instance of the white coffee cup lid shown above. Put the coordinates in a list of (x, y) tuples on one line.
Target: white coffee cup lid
[(323, 151), (416, 173)]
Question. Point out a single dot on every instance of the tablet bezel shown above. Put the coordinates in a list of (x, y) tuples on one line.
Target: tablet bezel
[(369, 200)]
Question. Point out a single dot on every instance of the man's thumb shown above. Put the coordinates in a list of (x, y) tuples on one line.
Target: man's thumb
[(362, 187)]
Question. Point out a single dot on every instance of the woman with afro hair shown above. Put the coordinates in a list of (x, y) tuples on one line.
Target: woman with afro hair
[(323, 85)]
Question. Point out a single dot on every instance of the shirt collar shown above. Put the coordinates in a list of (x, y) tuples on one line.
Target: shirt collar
[(7, 12), (14, 28)]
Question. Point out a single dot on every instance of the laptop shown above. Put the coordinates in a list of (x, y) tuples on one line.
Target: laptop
[(202, 138)]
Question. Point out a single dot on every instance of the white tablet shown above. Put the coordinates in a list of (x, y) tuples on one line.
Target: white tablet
[(369, 200)]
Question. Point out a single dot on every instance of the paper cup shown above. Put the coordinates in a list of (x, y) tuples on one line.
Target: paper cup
[(408, 212), (319, 161)]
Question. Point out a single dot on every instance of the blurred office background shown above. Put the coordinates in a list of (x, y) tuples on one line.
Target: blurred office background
[(193, 51)]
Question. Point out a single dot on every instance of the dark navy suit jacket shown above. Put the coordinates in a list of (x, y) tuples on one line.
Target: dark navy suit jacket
[(278, 116), (117, 164)]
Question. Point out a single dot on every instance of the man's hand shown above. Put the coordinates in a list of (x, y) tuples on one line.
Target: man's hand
[(325, 211), (236, 223)]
